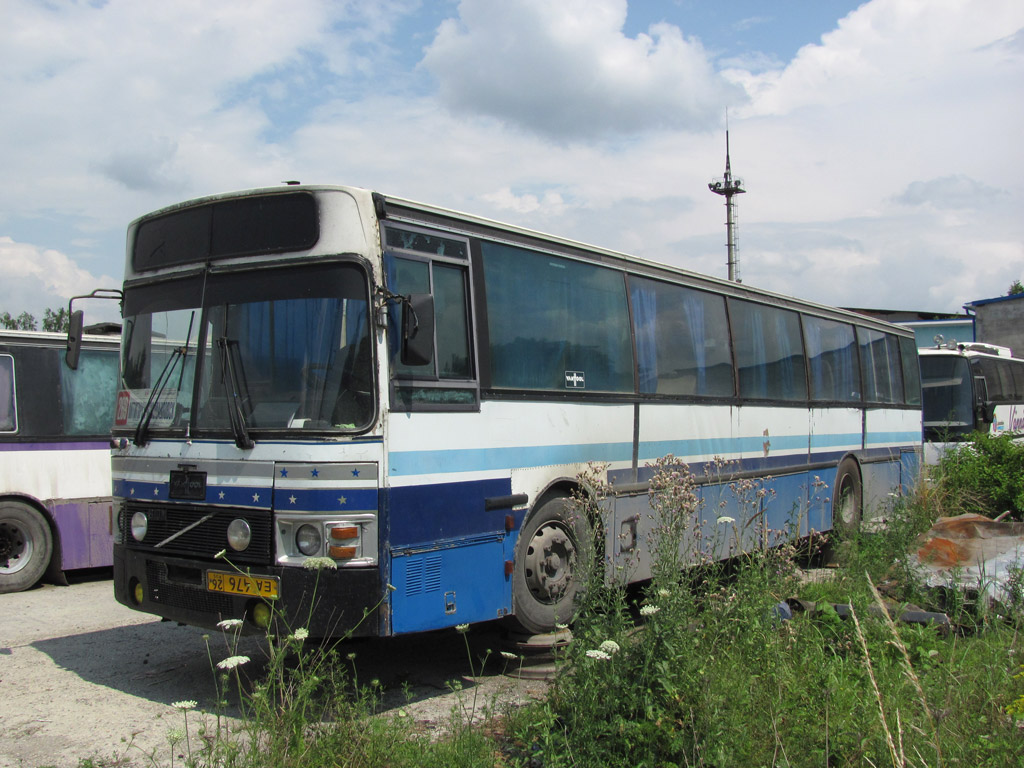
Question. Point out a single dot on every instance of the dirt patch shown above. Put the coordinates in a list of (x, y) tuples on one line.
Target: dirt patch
[(81, 676)]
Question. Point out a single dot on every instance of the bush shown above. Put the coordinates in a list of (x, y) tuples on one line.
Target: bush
[(985, 475)]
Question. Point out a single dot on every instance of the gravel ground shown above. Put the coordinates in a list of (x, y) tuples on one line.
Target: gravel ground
[(81, 676)]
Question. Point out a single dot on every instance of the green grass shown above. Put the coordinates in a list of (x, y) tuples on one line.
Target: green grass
[(696, 668)]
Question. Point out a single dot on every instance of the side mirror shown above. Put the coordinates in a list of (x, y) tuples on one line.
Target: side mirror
[(418, 329), (76, 323), (75, 330)]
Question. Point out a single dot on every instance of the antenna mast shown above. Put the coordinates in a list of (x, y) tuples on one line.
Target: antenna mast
[(728, 187)]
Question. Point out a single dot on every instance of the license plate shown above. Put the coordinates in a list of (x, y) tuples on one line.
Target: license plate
[(190, 486), (238, 584)]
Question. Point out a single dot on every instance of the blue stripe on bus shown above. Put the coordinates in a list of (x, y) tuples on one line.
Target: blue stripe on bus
[(489, 459), (836, 440), (335, 499), (406, 463)]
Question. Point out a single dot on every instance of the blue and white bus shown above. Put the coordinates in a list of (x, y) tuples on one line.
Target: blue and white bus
[(56, 510), (324, 376)]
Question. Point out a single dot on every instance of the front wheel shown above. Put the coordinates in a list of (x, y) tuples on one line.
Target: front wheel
[(554, 550), (25, 546)]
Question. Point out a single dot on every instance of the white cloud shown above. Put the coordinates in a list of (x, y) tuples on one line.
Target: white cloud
[(882, 165), (566, 70), (955, 191), (37, 278)]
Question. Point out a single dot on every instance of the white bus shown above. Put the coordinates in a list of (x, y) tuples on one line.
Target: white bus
[(56, 510), (327, 376), (968, 388)]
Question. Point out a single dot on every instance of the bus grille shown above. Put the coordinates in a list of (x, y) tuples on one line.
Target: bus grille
[(204, 540)]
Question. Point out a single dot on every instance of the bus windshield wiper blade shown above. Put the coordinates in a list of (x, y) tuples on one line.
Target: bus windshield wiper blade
[(235, 413), (161, 384), (154, 394)]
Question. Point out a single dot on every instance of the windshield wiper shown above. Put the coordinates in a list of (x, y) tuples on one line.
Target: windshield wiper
[(235, 413), (178, 353)]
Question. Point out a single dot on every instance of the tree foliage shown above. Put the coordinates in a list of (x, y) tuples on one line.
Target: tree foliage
[(23, 322), (55, 320)]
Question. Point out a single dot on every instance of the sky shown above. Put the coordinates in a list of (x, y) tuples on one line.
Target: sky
[(879, 144)]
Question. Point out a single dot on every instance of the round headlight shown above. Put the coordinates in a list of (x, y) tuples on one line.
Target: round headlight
[(140, 523), (239, 534), (308, 540)]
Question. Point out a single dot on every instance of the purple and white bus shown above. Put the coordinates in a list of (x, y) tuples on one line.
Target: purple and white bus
[(55, 490)]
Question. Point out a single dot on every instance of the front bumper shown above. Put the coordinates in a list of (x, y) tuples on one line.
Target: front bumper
[(327, 603)]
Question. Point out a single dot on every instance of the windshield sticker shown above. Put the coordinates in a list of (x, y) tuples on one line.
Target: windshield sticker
[(131, 404), (575, 380)]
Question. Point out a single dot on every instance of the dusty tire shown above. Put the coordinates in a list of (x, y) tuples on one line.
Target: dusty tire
[(552, 561), (847, 499), (25, 546)]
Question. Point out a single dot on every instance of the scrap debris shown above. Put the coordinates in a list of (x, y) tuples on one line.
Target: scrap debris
[(975, 554)]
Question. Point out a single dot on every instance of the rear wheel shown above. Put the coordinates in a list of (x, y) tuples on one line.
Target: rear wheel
[(847, 499), (25, 546), (551, 566)]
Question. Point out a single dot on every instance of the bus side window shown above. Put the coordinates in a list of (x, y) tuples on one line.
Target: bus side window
[(448, 380), (880, 366), (832, 360), (769, 351), (682, 340), (911, 372), (8, 410), (87, 393), (555, 324)]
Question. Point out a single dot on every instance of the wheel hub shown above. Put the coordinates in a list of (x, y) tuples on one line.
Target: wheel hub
[(15, 548), (549, 563)]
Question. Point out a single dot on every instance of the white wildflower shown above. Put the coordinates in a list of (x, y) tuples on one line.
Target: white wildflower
[(232, 661), (229, 623), (185, 705), (319, 564), (463, 628), (610, 647), (599, 655), (509, 656), (301, 634), (726, 519), (649, 610)]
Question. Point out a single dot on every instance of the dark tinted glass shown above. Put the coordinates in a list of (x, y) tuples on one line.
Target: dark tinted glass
[(832, 360), (769, 351), (682, 340), (881, 369), (556, 324), (8, 413), (249, 225), (911, 372)]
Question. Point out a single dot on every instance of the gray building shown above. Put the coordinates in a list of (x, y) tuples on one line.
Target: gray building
[(1000, 321)]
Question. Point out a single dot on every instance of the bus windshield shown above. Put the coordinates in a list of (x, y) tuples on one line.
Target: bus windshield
[(269, 350), (948, 402)]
